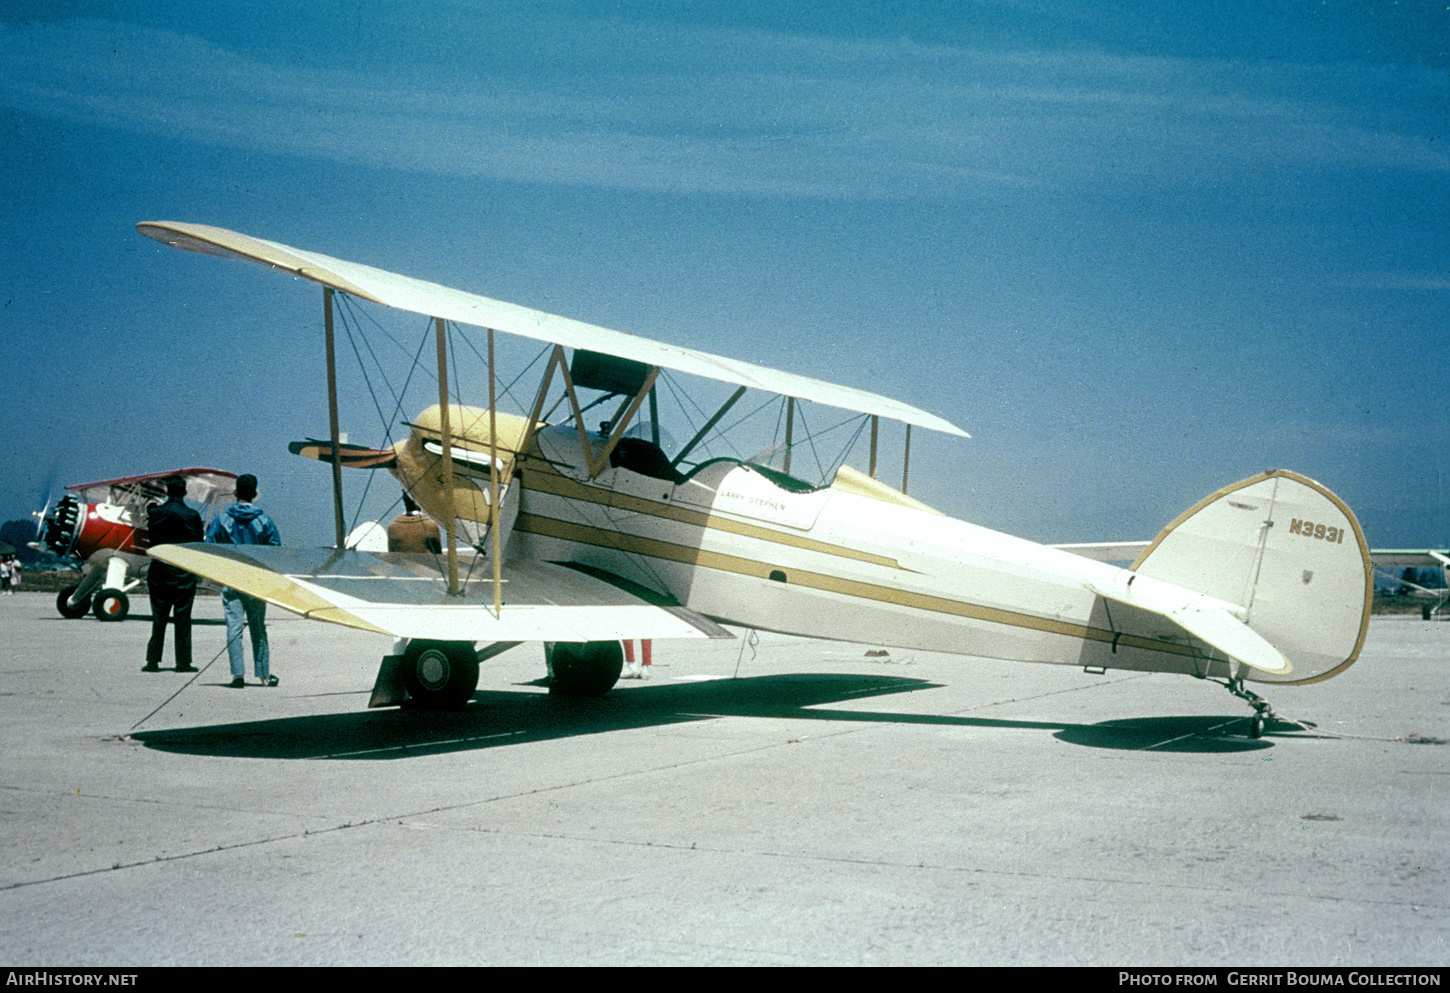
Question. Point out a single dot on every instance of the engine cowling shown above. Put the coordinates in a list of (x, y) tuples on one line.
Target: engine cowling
[(80, 529)]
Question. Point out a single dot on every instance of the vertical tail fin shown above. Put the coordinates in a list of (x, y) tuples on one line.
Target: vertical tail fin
[(1287, 551)]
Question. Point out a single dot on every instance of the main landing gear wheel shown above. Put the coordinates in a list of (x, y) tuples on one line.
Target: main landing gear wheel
[(440, 675), (68, 610), (111, 605), (587, 668)]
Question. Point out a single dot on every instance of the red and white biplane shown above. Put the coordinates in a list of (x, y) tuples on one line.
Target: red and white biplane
[(104, 525)]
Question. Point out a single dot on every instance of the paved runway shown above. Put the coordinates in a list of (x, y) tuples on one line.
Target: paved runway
[(784, 803)]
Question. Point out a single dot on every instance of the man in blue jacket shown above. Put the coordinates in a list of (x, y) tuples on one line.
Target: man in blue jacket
[(244, 523)]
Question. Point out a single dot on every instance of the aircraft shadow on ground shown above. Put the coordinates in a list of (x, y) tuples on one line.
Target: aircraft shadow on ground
[(1216, 733), (499, 718)]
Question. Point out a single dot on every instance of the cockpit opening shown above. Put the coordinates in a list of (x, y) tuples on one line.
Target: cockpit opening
[(646, 458)]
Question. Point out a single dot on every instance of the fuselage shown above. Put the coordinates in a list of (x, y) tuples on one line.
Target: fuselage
[(854, 561)]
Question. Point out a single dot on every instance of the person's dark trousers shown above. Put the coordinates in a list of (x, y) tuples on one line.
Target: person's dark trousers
[(174, 604)]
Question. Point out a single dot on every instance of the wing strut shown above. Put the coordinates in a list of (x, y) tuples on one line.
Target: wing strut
[(493, 509), (789, 430), (450, 515), (906, 460), (555, 359), (332, 415), (905, 455), (714, 419), (594, 463), (620, 423)]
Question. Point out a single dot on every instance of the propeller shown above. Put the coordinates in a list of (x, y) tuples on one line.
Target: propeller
[(40, 517), (47, 489)]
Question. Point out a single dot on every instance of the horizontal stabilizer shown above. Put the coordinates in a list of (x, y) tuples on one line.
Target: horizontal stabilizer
[(404, 595), (1207, 619), (1107, 551), (352, 456)]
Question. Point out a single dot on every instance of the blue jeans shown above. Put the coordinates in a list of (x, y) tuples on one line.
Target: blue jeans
[(253, 612)]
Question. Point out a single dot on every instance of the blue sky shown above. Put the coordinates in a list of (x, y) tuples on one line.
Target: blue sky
[(1138, 250)]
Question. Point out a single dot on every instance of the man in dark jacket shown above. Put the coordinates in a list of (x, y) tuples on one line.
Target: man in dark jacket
[(244, 523), (172, 590)]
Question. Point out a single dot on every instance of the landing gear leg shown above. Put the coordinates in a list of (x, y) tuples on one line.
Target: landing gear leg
[(80, 608), (1262, 710)]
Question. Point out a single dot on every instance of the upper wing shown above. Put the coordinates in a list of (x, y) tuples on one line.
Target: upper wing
[(1395, 558), (403, 595), (433, 300), (200, 483)]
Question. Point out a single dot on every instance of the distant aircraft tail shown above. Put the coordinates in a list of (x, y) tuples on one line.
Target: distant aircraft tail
[(1290, 554)]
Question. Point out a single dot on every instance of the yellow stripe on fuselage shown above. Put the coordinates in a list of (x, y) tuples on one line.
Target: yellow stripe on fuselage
[(633, 544)]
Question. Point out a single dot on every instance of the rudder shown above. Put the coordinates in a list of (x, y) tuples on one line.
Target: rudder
[(1287, 551)]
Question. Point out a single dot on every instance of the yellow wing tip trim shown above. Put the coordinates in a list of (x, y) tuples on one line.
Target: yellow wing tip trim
[(208, 240), (259, 582)]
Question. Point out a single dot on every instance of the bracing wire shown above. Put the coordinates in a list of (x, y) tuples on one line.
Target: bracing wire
[(679, 402), (348, 315), (507, 389), (194, 677), (350, 319), (807, 439), (350, 324), (747, 416), (861, 423), (828, 472)]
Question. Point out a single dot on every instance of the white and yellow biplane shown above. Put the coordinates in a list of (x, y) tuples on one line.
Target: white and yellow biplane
[(589, 537)]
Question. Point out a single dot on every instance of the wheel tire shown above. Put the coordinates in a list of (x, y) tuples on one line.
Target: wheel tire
[(440, 675), (62, 600), (1256, 726), (111, 605), (584, 668)]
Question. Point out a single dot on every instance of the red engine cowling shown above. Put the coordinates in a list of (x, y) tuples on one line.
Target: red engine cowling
[(81, 529)]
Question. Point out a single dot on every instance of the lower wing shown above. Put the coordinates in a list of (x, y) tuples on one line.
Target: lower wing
[(404, 595)]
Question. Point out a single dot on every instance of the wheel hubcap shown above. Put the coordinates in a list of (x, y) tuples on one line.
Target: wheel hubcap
[(433, 670)]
